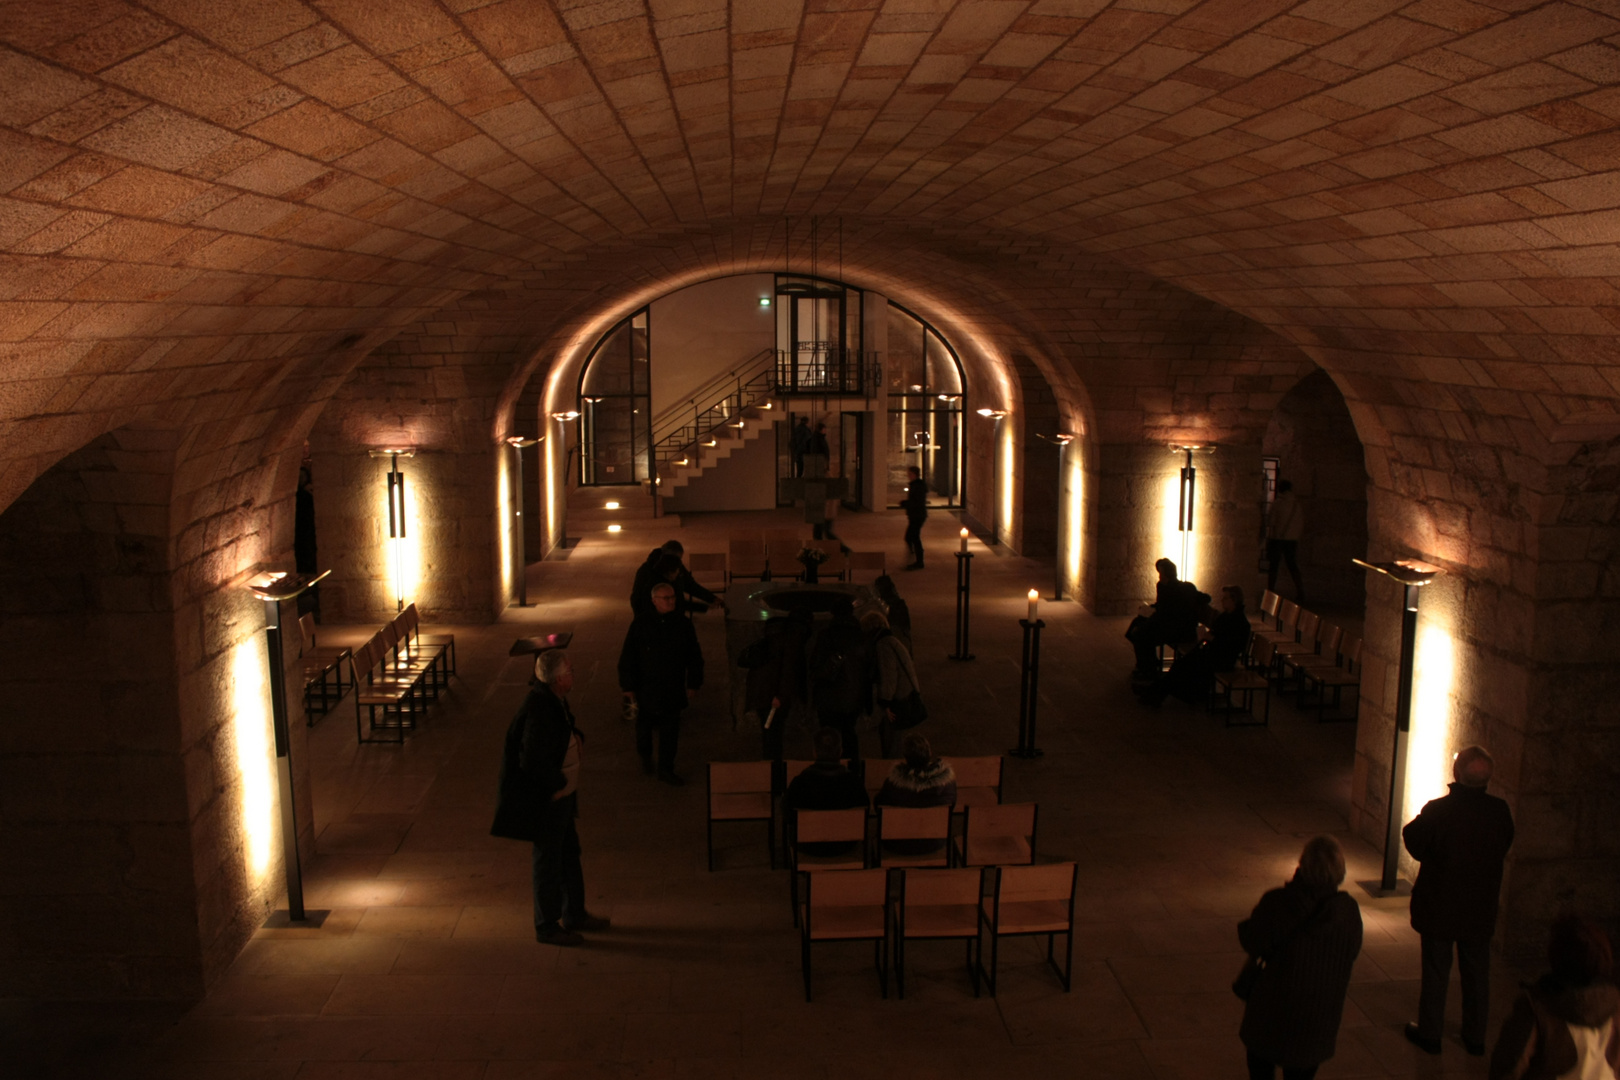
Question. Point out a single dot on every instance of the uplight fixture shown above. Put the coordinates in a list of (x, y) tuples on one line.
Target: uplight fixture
[(615, 528), (995, 472), (611, 506), (1412, 574), (396, 516)]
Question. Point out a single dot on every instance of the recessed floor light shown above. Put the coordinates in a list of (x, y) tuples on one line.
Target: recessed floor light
[(612, 506), (614, 528)]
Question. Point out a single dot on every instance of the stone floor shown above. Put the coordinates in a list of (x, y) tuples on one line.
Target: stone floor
[(426, 966)]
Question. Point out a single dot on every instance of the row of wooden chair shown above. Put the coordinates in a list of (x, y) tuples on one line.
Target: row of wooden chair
[(774, 553), (1292, 646), (396, 674), (891, 907), (747, 791)]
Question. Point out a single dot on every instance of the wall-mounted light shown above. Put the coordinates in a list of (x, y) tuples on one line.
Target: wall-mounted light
[(1061, 440), (992, 414), (1412, 574), (571, 414), (764, 301), (274, 587), (396, 516), (563, 418), (1187, 502), (998, 415)]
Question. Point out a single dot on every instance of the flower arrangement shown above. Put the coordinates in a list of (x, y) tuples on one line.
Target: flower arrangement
[(812, 556)]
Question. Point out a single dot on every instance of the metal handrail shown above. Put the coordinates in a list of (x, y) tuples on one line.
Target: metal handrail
[(680, 434), (728, 381)]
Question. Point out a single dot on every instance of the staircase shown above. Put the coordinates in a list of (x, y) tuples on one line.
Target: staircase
[(719, 417)]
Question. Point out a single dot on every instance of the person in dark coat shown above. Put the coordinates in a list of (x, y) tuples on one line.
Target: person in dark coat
[(826, 785), (1567, 1024), (1176, 607), (538, 801), (660, 671), (1193, 673), (916, 507), (841, 676), (1460, 841), (776, 676), (1308, 932), (798, 443), (664, 564), (899, 612), (918, 779)]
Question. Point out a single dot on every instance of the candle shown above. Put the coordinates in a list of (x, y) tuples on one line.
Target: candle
[(1034, 603), (964, 535)]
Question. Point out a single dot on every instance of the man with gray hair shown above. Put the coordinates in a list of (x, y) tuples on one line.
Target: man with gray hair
[(1461, 840), (538, 801)]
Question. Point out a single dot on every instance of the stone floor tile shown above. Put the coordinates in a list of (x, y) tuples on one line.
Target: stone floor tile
[(429, 921), (241, 994), (404, 995)]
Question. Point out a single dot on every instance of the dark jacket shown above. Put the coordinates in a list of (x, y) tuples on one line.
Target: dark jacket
[(1535, 1043), (1461, 841), (1228, 638), (799, 441), (900, 621), (916, 500), (1309, 939), (775, 666), (932, 785), (841, 670), (531, 764), (1176, 607), (689, 595), (817, 444), (825, 786), (660, 661)]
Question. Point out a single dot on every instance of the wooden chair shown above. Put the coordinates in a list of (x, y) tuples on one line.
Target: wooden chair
[(914, 823), (397, 699), (1287, 623), (1242, 683), (414, 619), (997, 835), (781, 543), (824, 827), (862, 562), (1269, 602), (1338, 679), (398, 663), (742, 791), (978, 781), (745, 558), (409, 630), (1330, 639), (1307, 630), (845, 905), (1031, 900), (938, 905), (703, 563), (836, 565), (321, 666)]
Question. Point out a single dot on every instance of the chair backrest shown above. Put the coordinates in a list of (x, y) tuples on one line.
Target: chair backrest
[(914, 823), (1263, 651), (1331, 638), (739, 777), (926, 888), (1287, 616), (1036, 883), (1310, 624), (706, 562), (869, 560), (815, 826), (1268, 604), (977, 771), (877, 771), (847, 888), (746, 544), (389, 635), (1003, 819), (783, 541), (363, 658)]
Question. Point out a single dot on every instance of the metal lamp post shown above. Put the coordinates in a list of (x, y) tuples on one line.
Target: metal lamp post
[(1412, 574), (562, 419), (519, 443), (995, 472), (273, 588), (396, 515)]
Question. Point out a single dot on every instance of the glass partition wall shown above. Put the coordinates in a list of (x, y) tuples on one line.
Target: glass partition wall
[(924, 380), (615, 406)]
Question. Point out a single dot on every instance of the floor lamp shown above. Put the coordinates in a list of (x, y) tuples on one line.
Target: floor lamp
[(396, 516), (1412, 575), (273, 588), (995, 472), (562, 419)]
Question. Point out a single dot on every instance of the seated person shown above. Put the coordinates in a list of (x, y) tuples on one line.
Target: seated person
[(826, 785), (1190, 677), (917, 779), (1176, 607)]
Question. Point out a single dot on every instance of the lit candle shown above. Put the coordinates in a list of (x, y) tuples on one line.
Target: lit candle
[(1034, 603), (964, 535)]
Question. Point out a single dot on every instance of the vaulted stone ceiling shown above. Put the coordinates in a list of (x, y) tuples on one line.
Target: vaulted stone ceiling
[(213, 207)]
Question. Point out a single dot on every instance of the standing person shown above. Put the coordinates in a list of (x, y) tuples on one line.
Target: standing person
[(1568, 1022), (1284, 527), (1176, 605), (1308, 933), (538, 801), (899, 695), (840, 676), (775, 666), (798, 443), (1190, 677), (916, 506), (820, 453), (664, 564), (660, 671), (899, 613), (1460, 841)]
